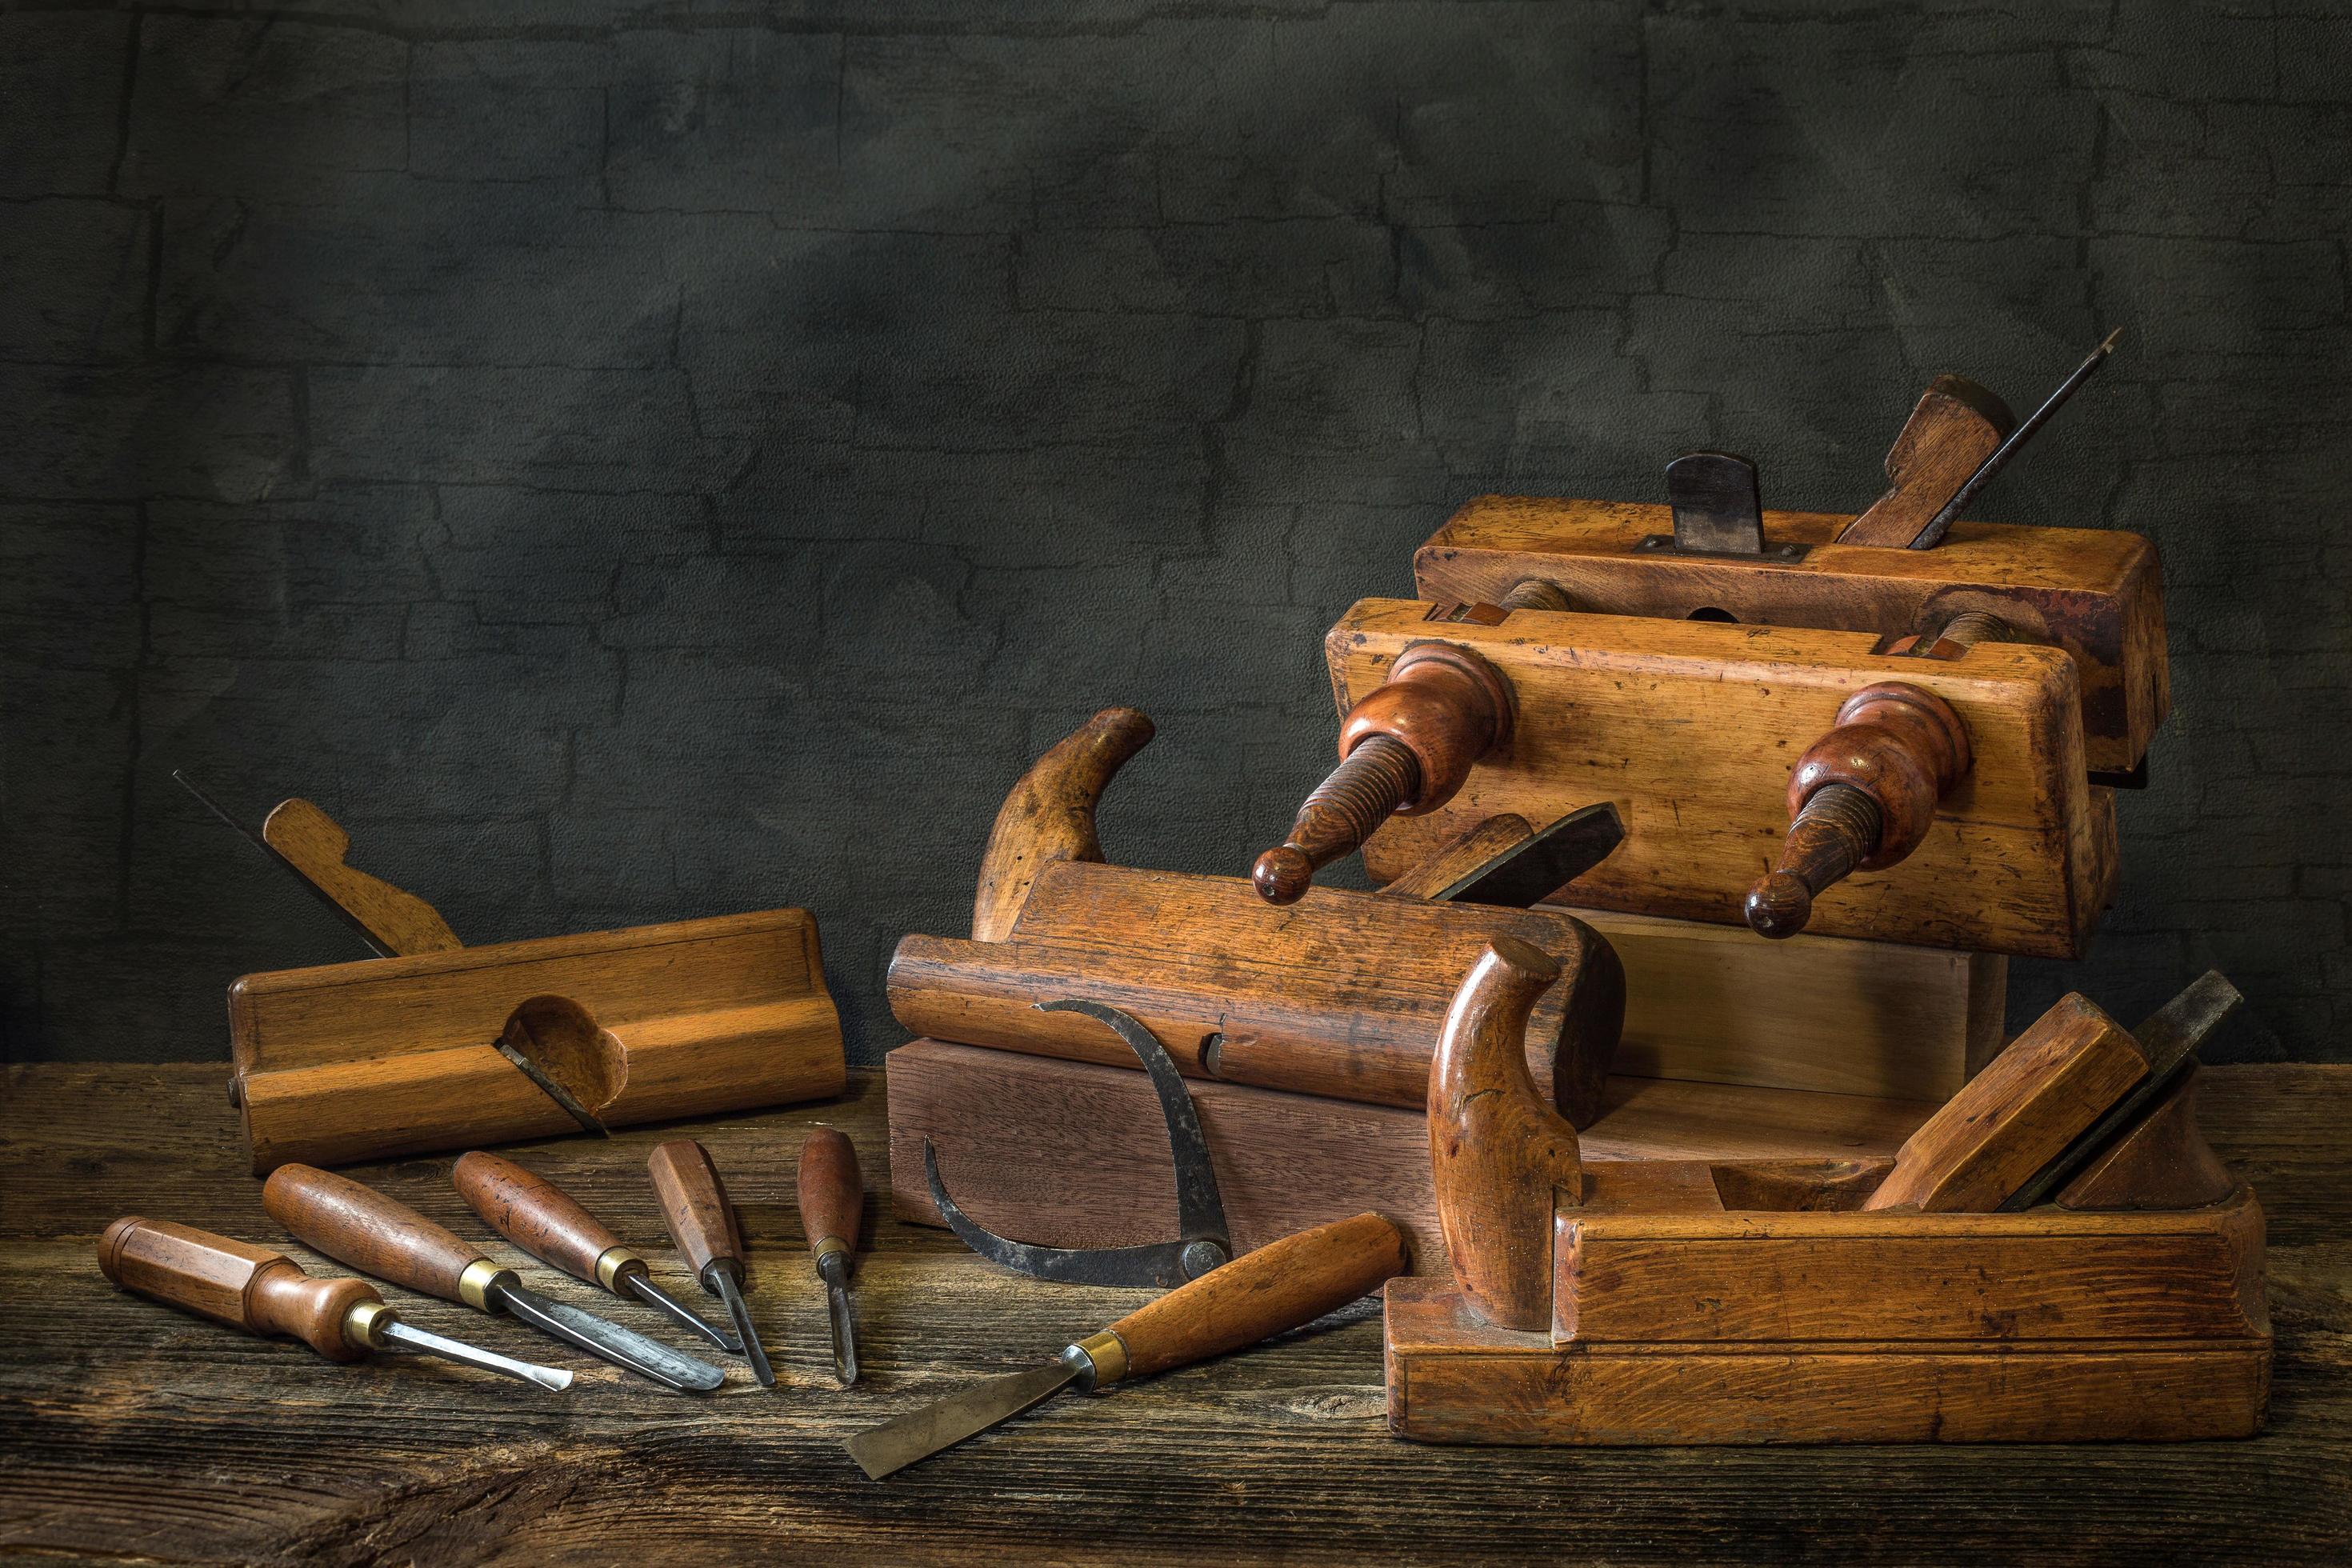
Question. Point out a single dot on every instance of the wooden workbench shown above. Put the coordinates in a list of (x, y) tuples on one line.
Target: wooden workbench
[(132, 1432)]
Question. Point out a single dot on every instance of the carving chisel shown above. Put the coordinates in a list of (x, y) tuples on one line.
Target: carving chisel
[(1258, 1295), (832, 1195), (703, 1222), (537, 1216), (269, 1293), (385, 1237)]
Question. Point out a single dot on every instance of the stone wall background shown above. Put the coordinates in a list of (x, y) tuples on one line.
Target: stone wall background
[(633, 461)]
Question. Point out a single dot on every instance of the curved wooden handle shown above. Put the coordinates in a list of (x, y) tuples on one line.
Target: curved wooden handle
[(1050, 814), (314, 844), (373, 1233), (1499, 1155), (233, 1282), (1405, 747), (832, 1191), (694, 1205), (1860, 798), (1260, 1294), (535, 1214)]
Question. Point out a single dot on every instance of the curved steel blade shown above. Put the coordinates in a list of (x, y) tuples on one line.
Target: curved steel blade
[(1161, 1263), (1199, 1209)]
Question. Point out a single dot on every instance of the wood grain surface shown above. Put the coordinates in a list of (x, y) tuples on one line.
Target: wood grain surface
[(314, 844), (533, 1212), (2094, 593), (1691, 729), (131, 1431)]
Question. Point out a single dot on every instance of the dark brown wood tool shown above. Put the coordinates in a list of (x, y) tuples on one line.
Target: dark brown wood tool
[(703, 1222)]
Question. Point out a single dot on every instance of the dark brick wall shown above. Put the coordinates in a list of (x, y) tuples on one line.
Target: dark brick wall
[(628, 462)]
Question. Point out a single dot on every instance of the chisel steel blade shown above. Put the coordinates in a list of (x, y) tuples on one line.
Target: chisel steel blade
[(624, 1348), (1535, 867), (834, 1271), (740, 1310), (919, 1434), (653, 1296), (417, 1342)]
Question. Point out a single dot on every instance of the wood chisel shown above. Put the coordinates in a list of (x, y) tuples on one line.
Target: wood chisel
[(703, 1222), (385, 1237), (540, 1217), (267, 1293), (832, 1197), (1279, 1287)]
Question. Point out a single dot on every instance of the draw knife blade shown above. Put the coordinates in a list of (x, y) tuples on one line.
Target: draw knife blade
[(1204, 1241)]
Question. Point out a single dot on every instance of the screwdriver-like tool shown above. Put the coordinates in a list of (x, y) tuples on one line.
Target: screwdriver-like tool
[(1259, 1294), (385, 1237), (832, 1194), (540, 1217), (267, 1293), (703, 1222)]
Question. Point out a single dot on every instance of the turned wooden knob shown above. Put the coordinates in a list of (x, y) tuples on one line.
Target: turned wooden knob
[(1860, 798), (1405, 748)]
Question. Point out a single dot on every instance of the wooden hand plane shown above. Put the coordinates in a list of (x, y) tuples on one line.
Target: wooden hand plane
[(1917, 1299), (1341, 996), (1757, 768), (439, 1045)]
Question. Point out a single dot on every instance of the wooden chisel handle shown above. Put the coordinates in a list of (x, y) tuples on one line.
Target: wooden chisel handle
[(238, 1283), (377, 1234), (1256, 1296), (540, 1217), (832, 1191), (694, 1204)]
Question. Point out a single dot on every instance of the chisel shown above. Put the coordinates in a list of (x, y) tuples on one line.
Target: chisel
[(1258, 1295), (540, 1217), (385, 1237), (703, 1222), (832, 1197), (269, 1293)]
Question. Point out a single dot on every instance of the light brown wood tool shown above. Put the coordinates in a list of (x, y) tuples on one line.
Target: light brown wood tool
[(1688, 728), (831, 1193), (2094, 594), (1730, 1301), (1343, 995), (267, 1293), (439, 1045), (703, 1222), (1282, 1286)]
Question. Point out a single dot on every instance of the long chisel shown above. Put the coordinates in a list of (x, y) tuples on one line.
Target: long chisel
[(267, 1293), (385, 1237), (831, 1191), (541, 1218), (1260, 1294), (703, 1222)]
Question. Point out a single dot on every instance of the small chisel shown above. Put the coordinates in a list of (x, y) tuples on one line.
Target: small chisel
[(540, 1217), (703, 1222), (832, 1195), (385, 1237), (269, 1293), (1258, 1295)]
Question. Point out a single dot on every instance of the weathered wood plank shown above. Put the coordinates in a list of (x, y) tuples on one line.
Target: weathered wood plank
[(130, 1431)]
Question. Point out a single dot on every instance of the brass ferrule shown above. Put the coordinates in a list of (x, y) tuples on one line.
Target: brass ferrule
[(826, 1247), (1106, 1354), (365, 1322), (615, 1261), (474, 1284)]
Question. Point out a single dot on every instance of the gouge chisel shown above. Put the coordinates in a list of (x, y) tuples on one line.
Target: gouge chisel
[(267, 1293), (540, 1217), (703, 1222), (832, 1197), (385, 1237), (1280, 1286)]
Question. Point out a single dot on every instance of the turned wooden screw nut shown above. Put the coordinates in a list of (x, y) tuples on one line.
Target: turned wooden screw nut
[(1860, 798), (1404, 749)]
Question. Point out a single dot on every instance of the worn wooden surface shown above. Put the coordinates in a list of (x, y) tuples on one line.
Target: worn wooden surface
[(131, 1432)]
